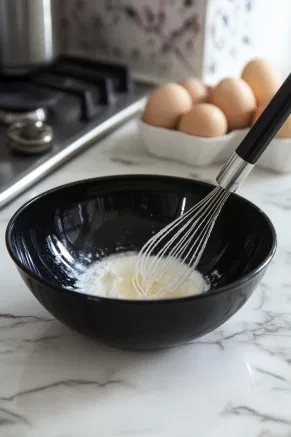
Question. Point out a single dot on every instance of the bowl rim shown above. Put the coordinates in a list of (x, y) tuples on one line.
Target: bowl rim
[(233, 285)]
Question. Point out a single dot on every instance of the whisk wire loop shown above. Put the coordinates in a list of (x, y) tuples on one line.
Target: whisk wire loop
[(184, 240)]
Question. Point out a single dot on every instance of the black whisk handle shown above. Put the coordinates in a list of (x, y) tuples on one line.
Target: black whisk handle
[(267, 125)]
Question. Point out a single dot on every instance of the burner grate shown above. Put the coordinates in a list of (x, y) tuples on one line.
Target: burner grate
[(83, 100)]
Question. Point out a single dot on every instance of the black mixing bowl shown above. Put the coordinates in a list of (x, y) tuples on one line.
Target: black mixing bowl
[(53, 234)]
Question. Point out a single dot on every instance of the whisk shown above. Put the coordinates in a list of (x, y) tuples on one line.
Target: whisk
[(157, 271)]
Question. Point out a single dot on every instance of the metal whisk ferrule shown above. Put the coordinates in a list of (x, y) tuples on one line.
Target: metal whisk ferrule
[(233, 173)]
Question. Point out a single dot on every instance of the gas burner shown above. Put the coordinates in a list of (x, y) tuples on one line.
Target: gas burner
[(8, 118), (61, 109), (30, 137), (23, 100)]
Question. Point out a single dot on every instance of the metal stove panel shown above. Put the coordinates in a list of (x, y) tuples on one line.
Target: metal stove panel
[(74, 125)]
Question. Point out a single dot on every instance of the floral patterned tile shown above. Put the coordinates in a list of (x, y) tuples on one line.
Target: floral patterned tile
[(167, 39)]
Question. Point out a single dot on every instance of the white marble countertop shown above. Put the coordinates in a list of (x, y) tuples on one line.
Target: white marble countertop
[(235, 381)]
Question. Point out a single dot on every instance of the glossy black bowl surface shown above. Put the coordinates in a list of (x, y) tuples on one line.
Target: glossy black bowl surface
[(55, 235)]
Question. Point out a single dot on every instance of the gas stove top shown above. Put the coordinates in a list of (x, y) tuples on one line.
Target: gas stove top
[(50, 115)]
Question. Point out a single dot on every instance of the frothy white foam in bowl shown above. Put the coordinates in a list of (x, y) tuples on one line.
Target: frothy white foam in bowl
[(112, 277)]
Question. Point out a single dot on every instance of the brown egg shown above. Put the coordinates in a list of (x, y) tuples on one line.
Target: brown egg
[(204, 120), (263, 78), (209, 89), (236, 99), (166, 105), (197, 90), (284, 132)]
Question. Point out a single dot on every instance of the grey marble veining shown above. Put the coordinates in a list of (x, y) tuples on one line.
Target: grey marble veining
[(234, 381)]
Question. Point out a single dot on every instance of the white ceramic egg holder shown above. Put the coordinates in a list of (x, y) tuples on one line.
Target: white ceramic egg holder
[(202, 152)]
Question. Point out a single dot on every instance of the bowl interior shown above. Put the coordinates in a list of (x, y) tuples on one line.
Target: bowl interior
[(59, 234)]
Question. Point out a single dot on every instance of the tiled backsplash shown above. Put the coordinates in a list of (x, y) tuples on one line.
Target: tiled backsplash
[(166, 39)]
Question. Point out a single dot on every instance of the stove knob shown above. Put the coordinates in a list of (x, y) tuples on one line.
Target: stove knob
[(30, 137)]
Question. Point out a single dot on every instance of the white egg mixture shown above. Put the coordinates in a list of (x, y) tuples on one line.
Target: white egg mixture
[(112, 277)]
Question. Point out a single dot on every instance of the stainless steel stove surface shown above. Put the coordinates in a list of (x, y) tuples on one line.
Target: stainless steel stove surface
[(52, 114)]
